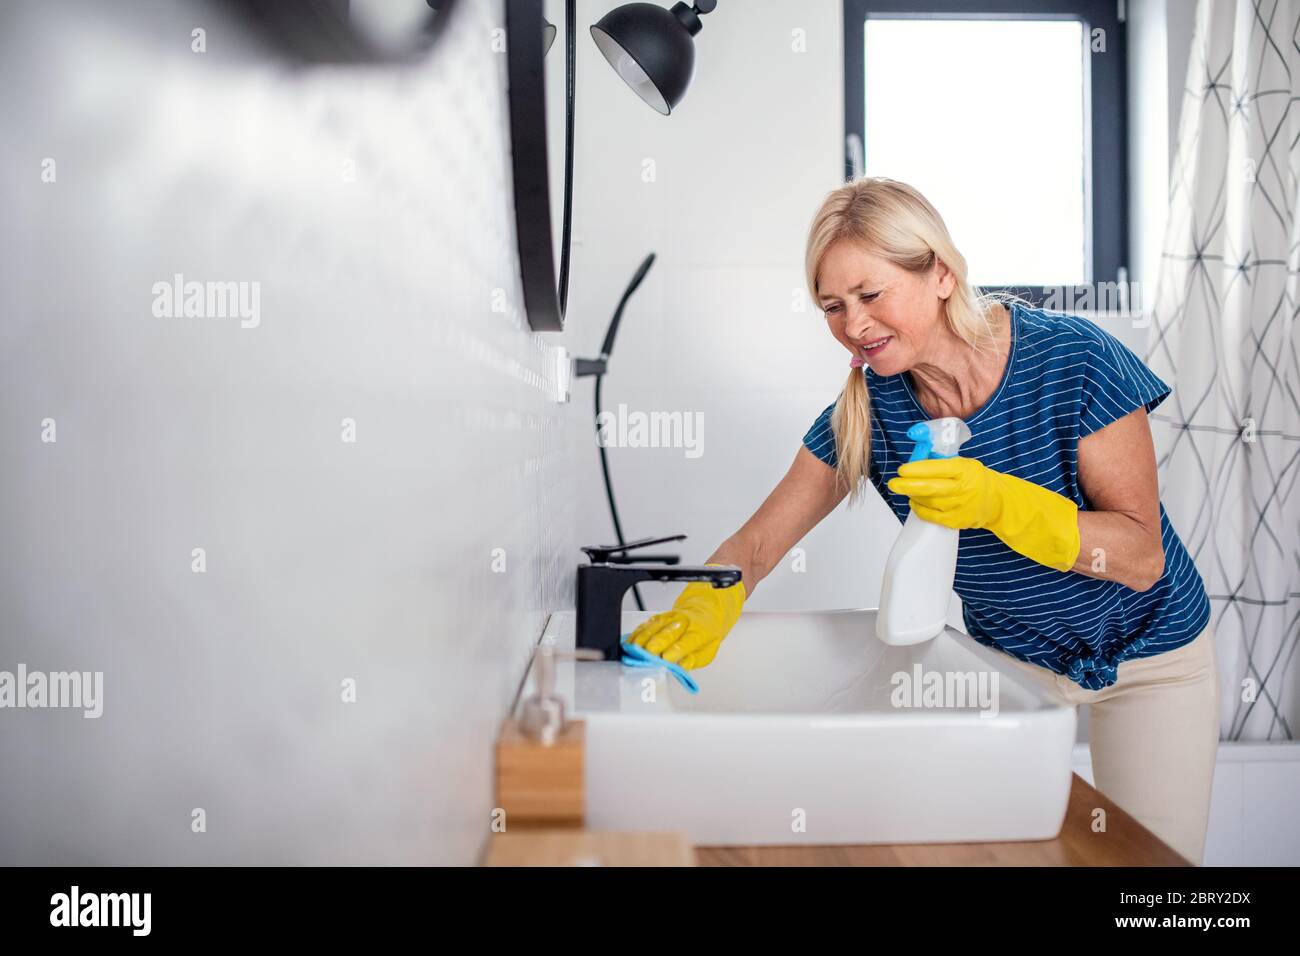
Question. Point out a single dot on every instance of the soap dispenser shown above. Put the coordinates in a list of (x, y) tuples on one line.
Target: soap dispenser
[(919, 573), (540, 754)]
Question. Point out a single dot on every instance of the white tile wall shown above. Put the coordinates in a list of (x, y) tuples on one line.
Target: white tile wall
[(326, 560)]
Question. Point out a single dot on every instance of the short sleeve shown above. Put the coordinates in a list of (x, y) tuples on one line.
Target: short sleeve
[(1115, 383), (820, 439)]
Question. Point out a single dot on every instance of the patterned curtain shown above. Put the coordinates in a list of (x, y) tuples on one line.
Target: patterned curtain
[(1224, 335)]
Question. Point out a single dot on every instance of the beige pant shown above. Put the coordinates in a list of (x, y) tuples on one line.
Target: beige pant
[(1154, 736)]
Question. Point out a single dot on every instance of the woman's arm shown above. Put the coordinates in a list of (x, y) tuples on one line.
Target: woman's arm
[(1120, 539), (800, 500)]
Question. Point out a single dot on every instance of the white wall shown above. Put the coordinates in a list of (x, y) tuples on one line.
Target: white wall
[(325, 560)]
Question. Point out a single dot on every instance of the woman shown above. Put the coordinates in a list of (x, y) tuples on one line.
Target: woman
[(1067, 562)]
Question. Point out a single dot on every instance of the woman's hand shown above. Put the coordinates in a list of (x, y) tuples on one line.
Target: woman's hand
[(690, 634), (961, 493)]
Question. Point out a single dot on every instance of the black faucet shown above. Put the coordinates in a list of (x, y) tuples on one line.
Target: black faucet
[(603, 584)]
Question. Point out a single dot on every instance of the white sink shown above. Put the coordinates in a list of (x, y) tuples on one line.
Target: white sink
[(793, 738)]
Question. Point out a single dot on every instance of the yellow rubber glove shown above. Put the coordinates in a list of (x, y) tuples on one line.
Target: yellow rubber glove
[(690, 634), (961, 493)]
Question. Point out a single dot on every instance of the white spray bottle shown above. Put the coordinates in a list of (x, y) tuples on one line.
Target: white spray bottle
[(917, 588)]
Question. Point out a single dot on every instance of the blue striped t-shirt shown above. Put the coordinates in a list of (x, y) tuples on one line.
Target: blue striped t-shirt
[(1065, 378)]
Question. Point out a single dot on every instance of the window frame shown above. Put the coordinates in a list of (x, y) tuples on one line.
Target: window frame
[(1106, 178)]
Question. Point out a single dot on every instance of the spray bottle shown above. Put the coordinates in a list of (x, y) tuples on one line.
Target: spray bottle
[(919, 573)]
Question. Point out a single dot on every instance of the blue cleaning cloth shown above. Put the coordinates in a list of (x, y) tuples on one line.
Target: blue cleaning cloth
[(634, 655)]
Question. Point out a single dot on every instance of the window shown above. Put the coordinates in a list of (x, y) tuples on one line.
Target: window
[(1009, 117)]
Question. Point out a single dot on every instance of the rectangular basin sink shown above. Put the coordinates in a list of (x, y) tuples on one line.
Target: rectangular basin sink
[(809, 730)]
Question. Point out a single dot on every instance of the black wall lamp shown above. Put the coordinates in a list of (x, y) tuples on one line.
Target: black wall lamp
[(652, 48)]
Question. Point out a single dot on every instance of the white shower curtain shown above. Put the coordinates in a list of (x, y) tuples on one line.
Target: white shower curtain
[(1224, 335)]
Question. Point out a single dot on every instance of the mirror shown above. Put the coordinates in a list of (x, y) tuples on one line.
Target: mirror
[(537, 47), (649, 46), (560, 119)]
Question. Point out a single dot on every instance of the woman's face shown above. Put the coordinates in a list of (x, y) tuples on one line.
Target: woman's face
[(886, 315)]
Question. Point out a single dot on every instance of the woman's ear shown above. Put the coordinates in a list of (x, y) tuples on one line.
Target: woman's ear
[(945, 278)]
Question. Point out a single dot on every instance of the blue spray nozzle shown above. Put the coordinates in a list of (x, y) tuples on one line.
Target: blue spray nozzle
[(920, 433), (938, 438)]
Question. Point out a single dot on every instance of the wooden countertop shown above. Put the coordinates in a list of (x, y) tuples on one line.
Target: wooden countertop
[(1125, 842)]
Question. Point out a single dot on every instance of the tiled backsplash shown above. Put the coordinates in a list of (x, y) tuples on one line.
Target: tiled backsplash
[(306, 524)]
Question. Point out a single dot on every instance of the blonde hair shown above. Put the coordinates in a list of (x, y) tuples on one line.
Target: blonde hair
[(894, 221)]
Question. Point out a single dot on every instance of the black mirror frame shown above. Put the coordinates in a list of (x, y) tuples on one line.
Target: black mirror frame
[(545, 297)]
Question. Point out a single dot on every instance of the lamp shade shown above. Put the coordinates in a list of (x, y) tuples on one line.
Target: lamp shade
[(652, 48)]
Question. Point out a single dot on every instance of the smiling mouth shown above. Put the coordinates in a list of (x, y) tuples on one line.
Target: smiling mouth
[(874, 346)]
